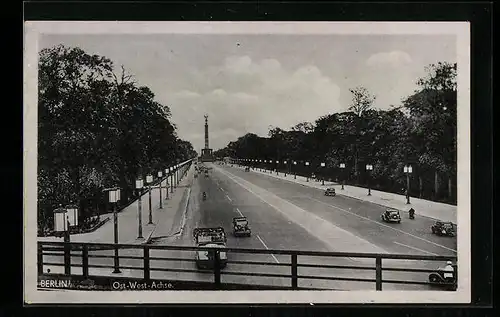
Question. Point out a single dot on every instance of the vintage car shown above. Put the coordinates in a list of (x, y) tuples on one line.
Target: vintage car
[(442, 228), (391, 215), (330, 192), (441, 277), (241, 227), (210, 238), (247, 169), (206, 173)]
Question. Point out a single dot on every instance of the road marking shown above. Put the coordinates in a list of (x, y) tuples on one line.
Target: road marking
[(265, 246), (229, 198), (417, 249), (381, 224), (239, 212)]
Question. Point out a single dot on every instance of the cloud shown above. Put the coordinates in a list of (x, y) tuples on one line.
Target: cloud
[(242, 95), (392, 59)]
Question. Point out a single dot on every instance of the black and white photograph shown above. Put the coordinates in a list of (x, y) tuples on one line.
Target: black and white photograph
[(238, 162)]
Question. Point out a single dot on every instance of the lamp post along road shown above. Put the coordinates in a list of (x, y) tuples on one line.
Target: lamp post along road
[(160, 176), (171, 179), (323, 176), (64, 219), (139, 184), (307, 172), (294, 170), (149, 180), (369, 168), (166, 184), (285, 167), (277, 165), (114, 198), (408, 171), (342, 168)]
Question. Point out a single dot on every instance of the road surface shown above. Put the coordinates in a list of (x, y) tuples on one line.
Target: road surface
[(289, 216)]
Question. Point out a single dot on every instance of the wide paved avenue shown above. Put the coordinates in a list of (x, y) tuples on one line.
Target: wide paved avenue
[(289, 216)]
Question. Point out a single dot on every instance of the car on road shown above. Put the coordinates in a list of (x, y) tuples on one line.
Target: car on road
[(210, 238), (330, 192), (241, 227), (247, 169), (391, 215), (439, 278), (442, 228)]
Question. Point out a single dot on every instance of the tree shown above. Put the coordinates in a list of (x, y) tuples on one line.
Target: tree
[(362, 101), (434, 110), (96, 130)]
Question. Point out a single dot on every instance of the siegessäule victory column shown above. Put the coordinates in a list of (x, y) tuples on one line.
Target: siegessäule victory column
[(206, 153)]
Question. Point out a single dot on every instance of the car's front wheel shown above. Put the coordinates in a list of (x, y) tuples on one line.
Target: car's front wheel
[(433, 279)]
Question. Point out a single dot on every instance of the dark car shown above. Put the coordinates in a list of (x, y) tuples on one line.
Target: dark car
[(442, 228), (241, 227), (439, 278), (330, 192), (391, 215)]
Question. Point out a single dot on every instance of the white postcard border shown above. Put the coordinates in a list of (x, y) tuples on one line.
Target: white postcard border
[(33, 31)]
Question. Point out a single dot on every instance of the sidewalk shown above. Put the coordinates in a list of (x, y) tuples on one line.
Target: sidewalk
[(169, 221), (128, 218), (430, 209)]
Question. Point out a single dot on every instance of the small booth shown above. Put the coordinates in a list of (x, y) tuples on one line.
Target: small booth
[(60, 220), (72, 215)]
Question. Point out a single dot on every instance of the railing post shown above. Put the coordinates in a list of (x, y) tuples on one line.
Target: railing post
[(147, 270), (216, 254), (67, 254), (85, 261), (294, 271), (40, 259), (378, 273)]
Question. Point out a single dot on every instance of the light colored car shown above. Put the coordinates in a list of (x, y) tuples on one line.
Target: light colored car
[(204, 258), (391, 215)]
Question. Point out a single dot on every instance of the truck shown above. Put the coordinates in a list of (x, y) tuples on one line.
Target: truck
[(210, 238)]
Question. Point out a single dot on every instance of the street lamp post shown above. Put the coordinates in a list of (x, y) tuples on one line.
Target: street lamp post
[(149, 180), (294, 170), (285, 167), (342, 167), (307, 172), (171, 180), (369, 168), (277, 162), (323, 175), (166, 184), (408, 171), (114, 198), (139, 184), (61, 227), (160, 176)]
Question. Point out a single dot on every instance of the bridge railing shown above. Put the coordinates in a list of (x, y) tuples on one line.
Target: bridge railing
[(292, 268)]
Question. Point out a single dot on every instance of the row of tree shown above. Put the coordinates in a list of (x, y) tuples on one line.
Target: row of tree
[(421, 132), (96, 129)]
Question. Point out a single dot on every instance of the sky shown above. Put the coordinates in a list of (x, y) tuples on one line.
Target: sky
[(249, 83)]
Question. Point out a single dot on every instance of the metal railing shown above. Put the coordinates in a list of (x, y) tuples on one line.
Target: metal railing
[(289, 269)]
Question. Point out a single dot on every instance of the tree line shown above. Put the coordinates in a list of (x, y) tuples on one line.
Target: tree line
[(97, 128), (420, 132)]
